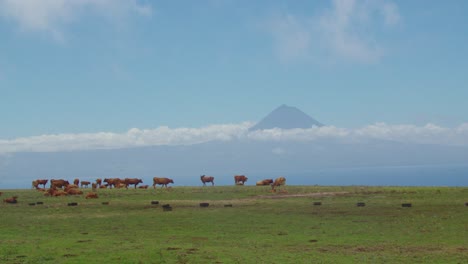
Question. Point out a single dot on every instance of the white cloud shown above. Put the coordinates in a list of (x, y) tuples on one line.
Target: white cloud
[(345, 31), (52, 15), (133, 138), (428, 134)]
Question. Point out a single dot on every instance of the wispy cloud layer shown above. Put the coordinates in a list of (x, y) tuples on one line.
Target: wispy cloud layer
[(52, 16), (346, 30), (428, 134)]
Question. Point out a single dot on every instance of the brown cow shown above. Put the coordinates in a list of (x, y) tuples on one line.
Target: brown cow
[(161, 181), (60, 193), (264, 182), (71, 186), (109, 182), (91, 195), (143, 187), (240, 179), (42, 182), (76, 182), (104, 186), (58, 183), (85, 184), (93, 186), (35, 184), (1, 193), (113, 182), (277, 183), (11, 200), (134, 181), (206, 179), (99, 182), (120, 185), (74, 191)]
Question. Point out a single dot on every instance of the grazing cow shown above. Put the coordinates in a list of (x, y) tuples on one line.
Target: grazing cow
[(85, 183), (74, 191), (143, 187), (76, 182), (42, 182), (11, 200), (58, 183), (264, 182), (240, 178), (91, 195), (134, 181), (161, 181), (206, 179), (277, 183), (99, 182)]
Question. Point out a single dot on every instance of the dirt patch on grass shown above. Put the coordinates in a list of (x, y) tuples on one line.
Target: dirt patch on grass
[(417, 250), (319, 194)]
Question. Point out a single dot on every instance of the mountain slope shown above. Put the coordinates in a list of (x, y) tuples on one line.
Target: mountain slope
[(286, 117)]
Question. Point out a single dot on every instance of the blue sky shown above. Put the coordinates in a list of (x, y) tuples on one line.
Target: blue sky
[(123, 67)]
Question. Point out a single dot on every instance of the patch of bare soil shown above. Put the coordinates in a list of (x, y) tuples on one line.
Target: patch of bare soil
[(319, 194)]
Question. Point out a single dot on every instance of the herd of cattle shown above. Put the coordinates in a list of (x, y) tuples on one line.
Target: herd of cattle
[(63, 187)]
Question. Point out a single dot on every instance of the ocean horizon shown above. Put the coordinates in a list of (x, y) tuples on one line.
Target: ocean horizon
[(424, 175)]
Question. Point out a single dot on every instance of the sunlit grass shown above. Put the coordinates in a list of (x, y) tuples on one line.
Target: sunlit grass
[(260, 227)]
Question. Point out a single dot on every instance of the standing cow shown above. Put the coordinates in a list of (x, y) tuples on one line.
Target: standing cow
[(240, 179), (206, 179), (161, 181), (130, 181)]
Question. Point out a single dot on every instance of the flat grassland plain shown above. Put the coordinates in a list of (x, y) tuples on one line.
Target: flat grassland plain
[(260, 227)]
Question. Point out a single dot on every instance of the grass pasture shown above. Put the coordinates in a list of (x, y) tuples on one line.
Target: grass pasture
[(260, 227)]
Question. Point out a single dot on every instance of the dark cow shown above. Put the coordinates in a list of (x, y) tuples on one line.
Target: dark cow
[(240, 179), (134, 181), (161, 181), (278, 182), (58, 183), (206, 179), (85, 184), (11, 200), (264, 182), (91, 195), (76, 182)]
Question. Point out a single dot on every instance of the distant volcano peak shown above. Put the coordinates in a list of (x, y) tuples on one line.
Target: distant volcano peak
[(286, 117)]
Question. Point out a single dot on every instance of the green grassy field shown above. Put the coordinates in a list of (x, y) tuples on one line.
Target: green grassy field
[(260, 227)]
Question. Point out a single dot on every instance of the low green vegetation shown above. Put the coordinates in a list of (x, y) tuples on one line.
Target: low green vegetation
[(260, 227)]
